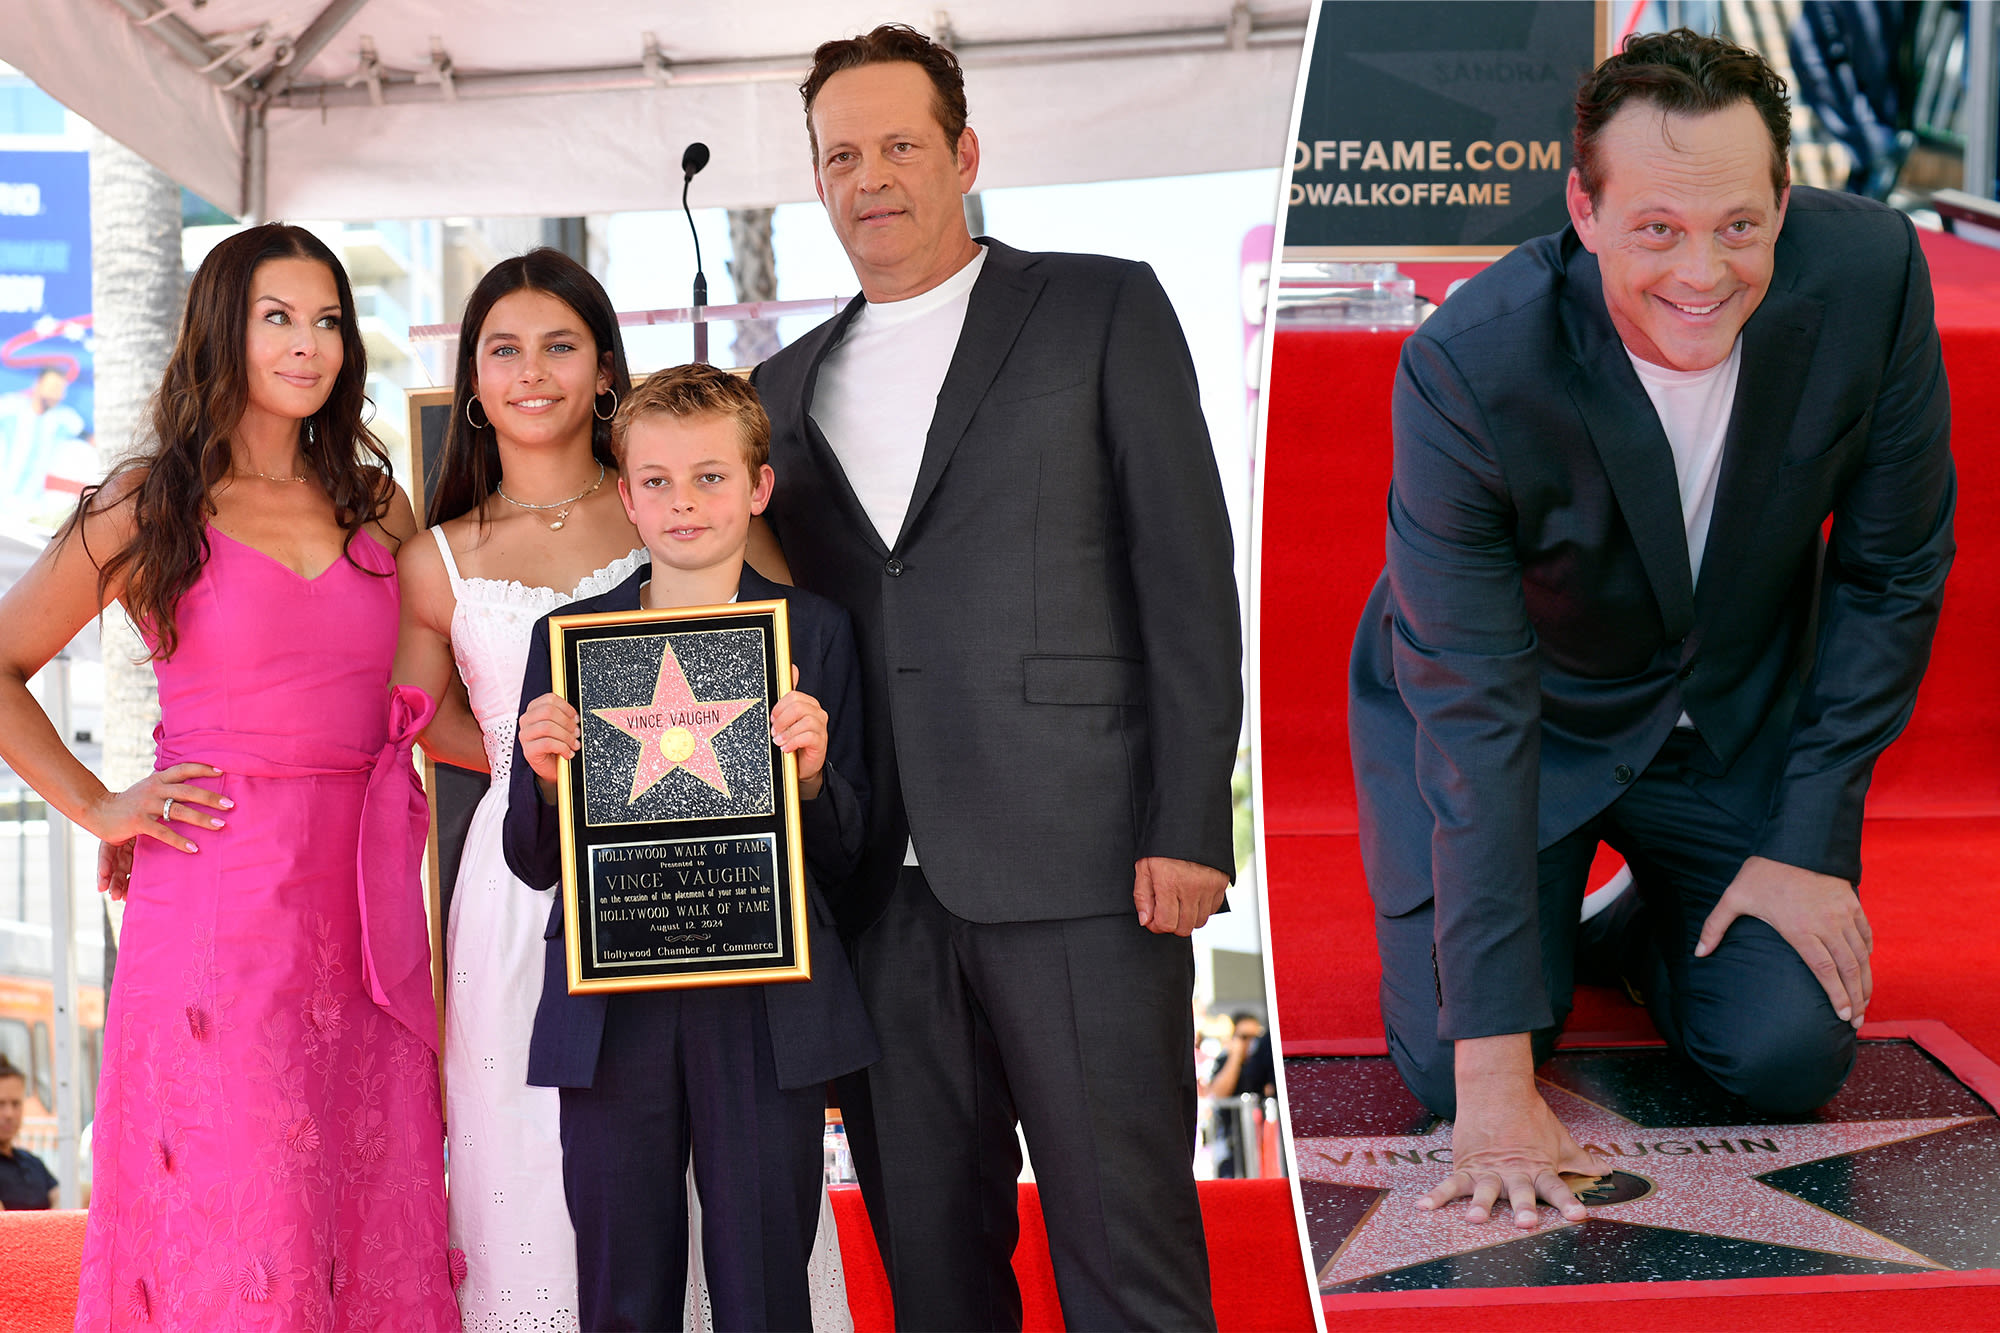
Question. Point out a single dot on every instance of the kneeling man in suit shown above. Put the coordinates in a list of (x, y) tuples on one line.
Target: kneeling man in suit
[(1609, 615)]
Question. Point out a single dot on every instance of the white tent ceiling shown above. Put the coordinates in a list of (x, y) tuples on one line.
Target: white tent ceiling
[(432, 108)]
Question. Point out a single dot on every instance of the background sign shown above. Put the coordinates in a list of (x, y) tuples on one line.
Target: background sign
[(1437, 127), (47, 453)]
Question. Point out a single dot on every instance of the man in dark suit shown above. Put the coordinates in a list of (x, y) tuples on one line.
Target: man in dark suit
[(997, 462), (1608, 614)]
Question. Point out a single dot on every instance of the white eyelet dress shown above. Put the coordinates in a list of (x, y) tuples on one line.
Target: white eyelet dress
[(508, 1216)]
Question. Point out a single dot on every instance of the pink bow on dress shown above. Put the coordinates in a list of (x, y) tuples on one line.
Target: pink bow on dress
[(395, 824)]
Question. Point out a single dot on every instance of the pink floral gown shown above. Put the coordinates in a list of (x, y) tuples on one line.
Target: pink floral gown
[(268, 1146)]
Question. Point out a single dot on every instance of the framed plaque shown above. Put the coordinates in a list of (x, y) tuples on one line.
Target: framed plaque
[(681, 856)]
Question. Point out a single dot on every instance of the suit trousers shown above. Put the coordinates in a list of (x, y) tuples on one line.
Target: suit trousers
[(690, 1072), (1751, 1014), (1083, 1031)]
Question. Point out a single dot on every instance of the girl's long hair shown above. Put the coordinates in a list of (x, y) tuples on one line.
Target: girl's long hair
[(469, 468), (199, 401)]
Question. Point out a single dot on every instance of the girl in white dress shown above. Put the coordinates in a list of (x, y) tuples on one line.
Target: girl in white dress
[(525, 518)]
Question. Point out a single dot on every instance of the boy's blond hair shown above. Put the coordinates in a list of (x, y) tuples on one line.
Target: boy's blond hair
[(698, 390)]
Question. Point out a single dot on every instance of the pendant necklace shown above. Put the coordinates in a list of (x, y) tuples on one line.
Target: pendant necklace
[(562, 507)]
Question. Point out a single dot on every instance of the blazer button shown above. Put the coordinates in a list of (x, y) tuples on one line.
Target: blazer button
[(1685, 672), (894, 569), (1622, 774)]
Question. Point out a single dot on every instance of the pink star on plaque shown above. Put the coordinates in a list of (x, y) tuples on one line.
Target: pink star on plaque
[(1697, 1179), (676, 730)]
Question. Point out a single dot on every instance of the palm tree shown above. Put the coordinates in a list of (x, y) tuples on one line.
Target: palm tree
[(755, 274), (137, 283)]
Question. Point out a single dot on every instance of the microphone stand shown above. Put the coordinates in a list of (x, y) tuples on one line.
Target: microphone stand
[(700, 278)]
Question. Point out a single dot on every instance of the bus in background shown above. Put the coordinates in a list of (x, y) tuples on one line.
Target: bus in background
[(27, 1025), (27, 992)]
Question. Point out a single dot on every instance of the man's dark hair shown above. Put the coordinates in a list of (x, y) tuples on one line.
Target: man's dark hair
[(8, 1069), (887, 45), (1682, 73)]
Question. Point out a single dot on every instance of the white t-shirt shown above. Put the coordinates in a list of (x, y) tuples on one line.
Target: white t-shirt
[(877, 392), (1694, 408)]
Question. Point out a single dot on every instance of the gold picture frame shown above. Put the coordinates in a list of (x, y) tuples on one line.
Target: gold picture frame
[(672, 884)]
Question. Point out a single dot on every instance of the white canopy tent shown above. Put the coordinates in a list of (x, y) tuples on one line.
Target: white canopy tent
[(346, 109), (355, 110)]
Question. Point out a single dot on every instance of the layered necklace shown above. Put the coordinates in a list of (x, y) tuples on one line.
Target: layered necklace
[(562, 507)]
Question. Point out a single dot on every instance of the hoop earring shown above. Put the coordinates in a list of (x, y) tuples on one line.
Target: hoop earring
[(605, 416), (476, 425)]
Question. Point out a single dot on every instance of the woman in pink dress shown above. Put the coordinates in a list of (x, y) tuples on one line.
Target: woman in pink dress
[(268, 1146)]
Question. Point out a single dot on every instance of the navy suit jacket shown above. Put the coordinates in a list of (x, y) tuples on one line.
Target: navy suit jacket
[(1537, 632), (819, 1029)]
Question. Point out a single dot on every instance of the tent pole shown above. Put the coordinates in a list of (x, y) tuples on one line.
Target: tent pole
[(255, 161), (312, 41), (402, 90), (181, 39), (62, 955)]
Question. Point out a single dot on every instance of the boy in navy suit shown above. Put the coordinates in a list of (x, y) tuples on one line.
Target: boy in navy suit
[(733, 1076)]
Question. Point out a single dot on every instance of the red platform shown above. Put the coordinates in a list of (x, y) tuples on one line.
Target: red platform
[(1931, 844), (1258, 1275)]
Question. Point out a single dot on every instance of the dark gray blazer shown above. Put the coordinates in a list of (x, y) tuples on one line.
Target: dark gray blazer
[(819, 1029), (1050, 650), (1536, 633)]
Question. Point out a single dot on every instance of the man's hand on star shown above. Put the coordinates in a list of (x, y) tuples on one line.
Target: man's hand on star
[(1173, 897), (1505, 1140), (1723, 1193), (1818, 915)]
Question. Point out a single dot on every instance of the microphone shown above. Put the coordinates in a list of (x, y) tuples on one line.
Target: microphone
[(693, 158)]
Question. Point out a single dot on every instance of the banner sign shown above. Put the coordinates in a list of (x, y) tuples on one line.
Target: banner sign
[(1437, 127), (47, 452)]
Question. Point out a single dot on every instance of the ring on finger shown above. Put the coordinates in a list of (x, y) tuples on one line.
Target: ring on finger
[(167, 811)]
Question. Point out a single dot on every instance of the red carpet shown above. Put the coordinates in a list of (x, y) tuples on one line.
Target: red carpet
[(1257, 1273), (38, 1266), (1932, 842)]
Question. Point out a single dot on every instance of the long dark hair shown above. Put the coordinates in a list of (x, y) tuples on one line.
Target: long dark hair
[(200, 400), (469, 468)]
